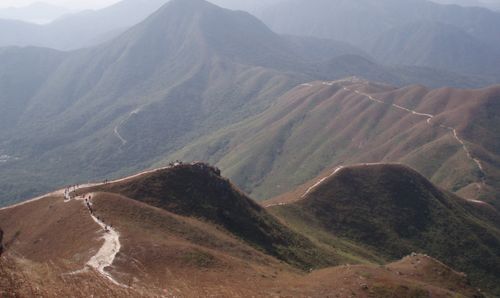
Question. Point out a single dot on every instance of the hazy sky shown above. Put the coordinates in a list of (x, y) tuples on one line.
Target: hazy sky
[(72, 4), (88, 4)]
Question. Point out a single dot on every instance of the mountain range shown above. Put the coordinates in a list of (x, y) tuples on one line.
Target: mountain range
[(410, 32), (78, 30), (176, 149), (132, 101), (183, 229), (447, 134)]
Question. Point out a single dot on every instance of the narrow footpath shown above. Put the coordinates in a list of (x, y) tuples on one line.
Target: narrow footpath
[(106, 255), (429, 118)]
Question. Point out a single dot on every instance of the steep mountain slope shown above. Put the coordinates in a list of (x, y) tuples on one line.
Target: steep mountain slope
[(437, 45), (78, 30), (366, 23), (451, 137), (22, 73), (188, 70), (198, 191), (161, 84), (395, 211), (202, 238)]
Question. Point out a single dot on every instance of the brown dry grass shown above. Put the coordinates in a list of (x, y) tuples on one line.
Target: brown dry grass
[(167, 255)]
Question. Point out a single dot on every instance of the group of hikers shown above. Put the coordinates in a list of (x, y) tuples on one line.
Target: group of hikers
[(68, 190), (88, 202), (175, 163)]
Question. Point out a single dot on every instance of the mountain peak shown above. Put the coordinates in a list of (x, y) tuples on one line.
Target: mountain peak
[(197, 190), (395, 185), (395, 210), (189, 4), (200, 28)]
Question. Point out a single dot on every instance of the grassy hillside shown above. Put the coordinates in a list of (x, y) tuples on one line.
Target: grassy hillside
[(186, 231), (394, 211), (183, 73), (116, 107), (316, 127), (198, 191)]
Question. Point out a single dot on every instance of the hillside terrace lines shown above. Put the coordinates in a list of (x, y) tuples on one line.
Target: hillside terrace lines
[(429, 117)]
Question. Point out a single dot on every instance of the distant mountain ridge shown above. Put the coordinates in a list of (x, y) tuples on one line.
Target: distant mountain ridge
[(79, 30), (382, 29), (437, 45), (318, 126), (190, 69)]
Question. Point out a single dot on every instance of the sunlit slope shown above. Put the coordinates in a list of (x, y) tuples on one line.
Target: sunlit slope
[(118, 106), (320, 125), (185, 230), (183, 73), (394, 211)]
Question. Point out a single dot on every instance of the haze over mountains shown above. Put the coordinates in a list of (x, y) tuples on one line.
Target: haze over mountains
[(491, 4), (37, 12), (382, 29), (78, 30), (138, 98), (470, 34), (359, 140), (86, 28)]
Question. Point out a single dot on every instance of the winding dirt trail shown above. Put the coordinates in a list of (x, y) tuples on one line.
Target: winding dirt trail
[(111, 247), (117, 128), (430, 117), (106, 255), (321, 181), (119, 136)]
